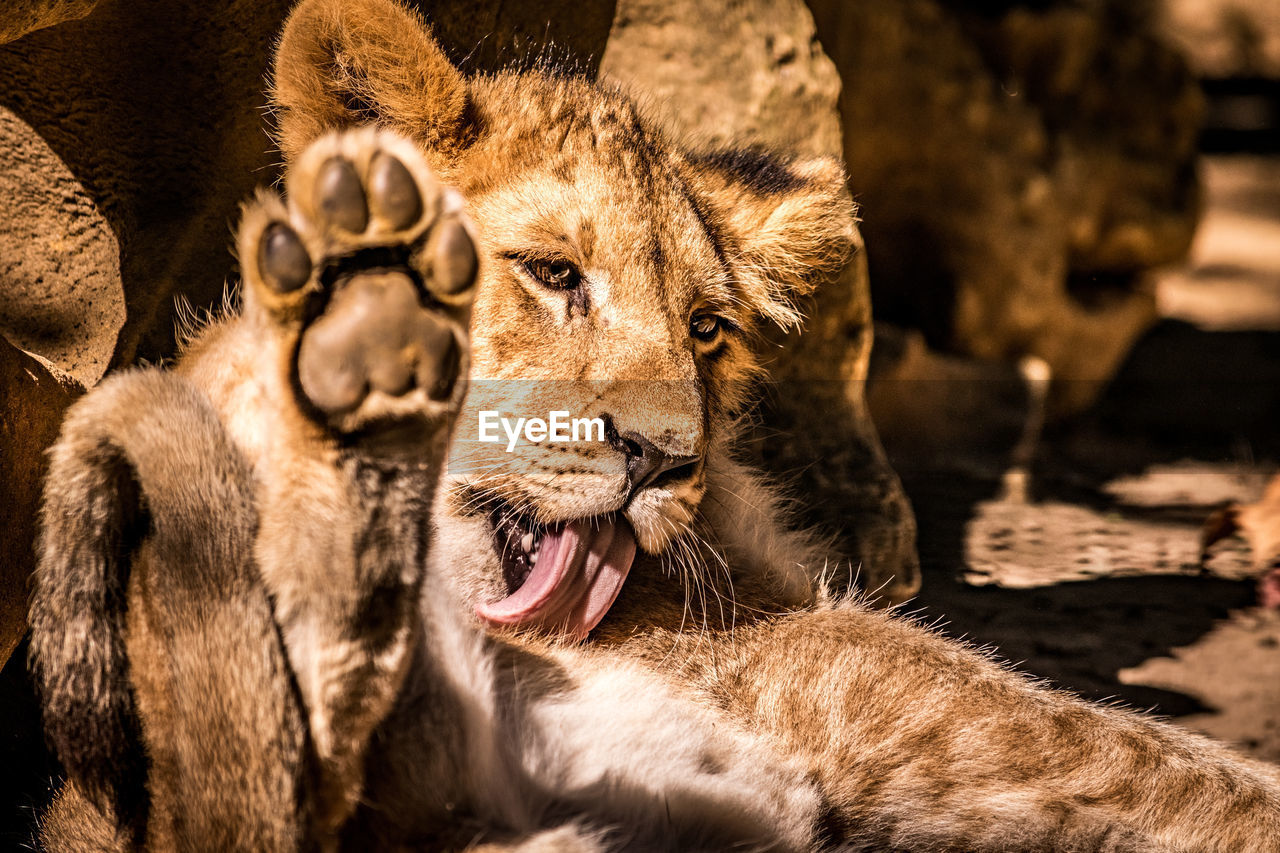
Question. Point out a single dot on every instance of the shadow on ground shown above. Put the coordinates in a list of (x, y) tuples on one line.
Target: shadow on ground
[(1183, 393), (1205, 405), (1080, 634)]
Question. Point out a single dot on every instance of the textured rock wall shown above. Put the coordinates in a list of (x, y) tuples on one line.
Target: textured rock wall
[(59, 259), (34, 396), (25, 16), (1019, 169)]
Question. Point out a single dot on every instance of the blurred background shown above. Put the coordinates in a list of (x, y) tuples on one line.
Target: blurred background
[(1066, 523), (1059, 444)]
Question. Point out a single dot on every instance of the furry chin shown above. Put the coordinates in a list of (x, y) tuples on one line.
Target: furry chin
[(563, 578)]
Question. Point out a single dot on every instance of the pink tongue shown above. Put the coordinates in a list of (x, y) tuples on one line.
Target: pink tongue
[(579, 573)]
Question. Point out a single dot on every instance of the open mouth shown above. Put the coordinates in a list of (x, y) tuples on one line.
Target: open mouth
[(562, 577)]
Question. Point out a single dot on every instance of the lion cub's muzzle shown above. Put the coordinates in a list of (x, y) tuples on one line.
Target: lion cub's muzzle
[(647, 463)]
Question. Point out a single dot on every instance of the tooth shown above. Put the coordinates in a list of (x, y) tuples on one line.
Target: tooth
[(533, 558), (526, 542)]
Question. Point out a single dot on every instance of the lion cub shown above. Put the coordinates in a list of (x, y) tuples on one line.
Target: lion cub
[(230, 595)]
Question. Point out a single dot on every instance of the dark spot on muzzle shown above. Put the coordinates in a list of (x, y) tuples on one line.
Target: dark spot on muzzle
[(646, 462)]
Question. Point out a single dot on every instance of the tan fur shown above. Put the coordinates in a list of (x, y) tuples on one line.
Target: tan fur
[(146, 452), (226, 622), (919, 742)]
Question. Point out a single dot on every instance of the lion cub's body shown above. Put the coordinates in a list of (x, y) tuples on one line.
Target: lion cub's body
[(917, 742), (920, 743), (226, 628)]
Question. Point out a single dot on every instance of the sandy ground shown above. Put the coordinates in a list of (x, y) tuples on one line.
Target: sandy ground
[(1084, 566)]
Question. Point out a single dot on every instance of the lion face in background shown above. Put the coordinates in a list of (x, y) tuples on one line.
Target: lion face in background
[(623, 279)]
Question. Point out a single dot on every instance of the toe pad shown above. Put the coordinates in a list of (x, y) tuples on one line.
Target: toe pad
[(282, 259)]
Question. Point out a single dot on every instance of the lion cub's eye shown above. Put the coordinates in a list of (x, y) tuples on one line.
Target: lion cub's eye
[(706, 327), (557, 275)]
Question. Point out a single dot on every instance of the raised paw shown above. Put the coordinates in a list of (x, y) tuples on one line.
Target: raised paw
[(367, 271)]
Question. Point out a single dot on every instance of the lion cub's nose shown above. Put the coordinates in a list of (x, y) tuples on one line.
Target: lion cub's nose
[(646, 462)]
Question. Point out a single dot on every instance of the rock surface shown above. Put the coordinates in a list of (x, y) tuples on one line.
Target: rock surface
[(752, 73), (1018, 172), (1226, 38), (25, 16), (35, 395), (59, 259), (727, 72)]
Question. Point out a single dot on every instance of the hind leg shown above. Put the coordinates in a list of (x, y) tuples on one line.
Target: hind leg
[(160, 672)]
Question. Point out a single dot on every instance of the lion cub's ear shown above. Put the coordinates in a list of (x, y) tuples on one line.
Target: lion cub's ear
[(343, 62), (788, 225)]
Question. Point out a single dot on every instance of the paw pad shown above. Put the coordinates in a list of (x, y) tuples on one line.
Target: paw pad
[(453, 258), (370, 268)]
